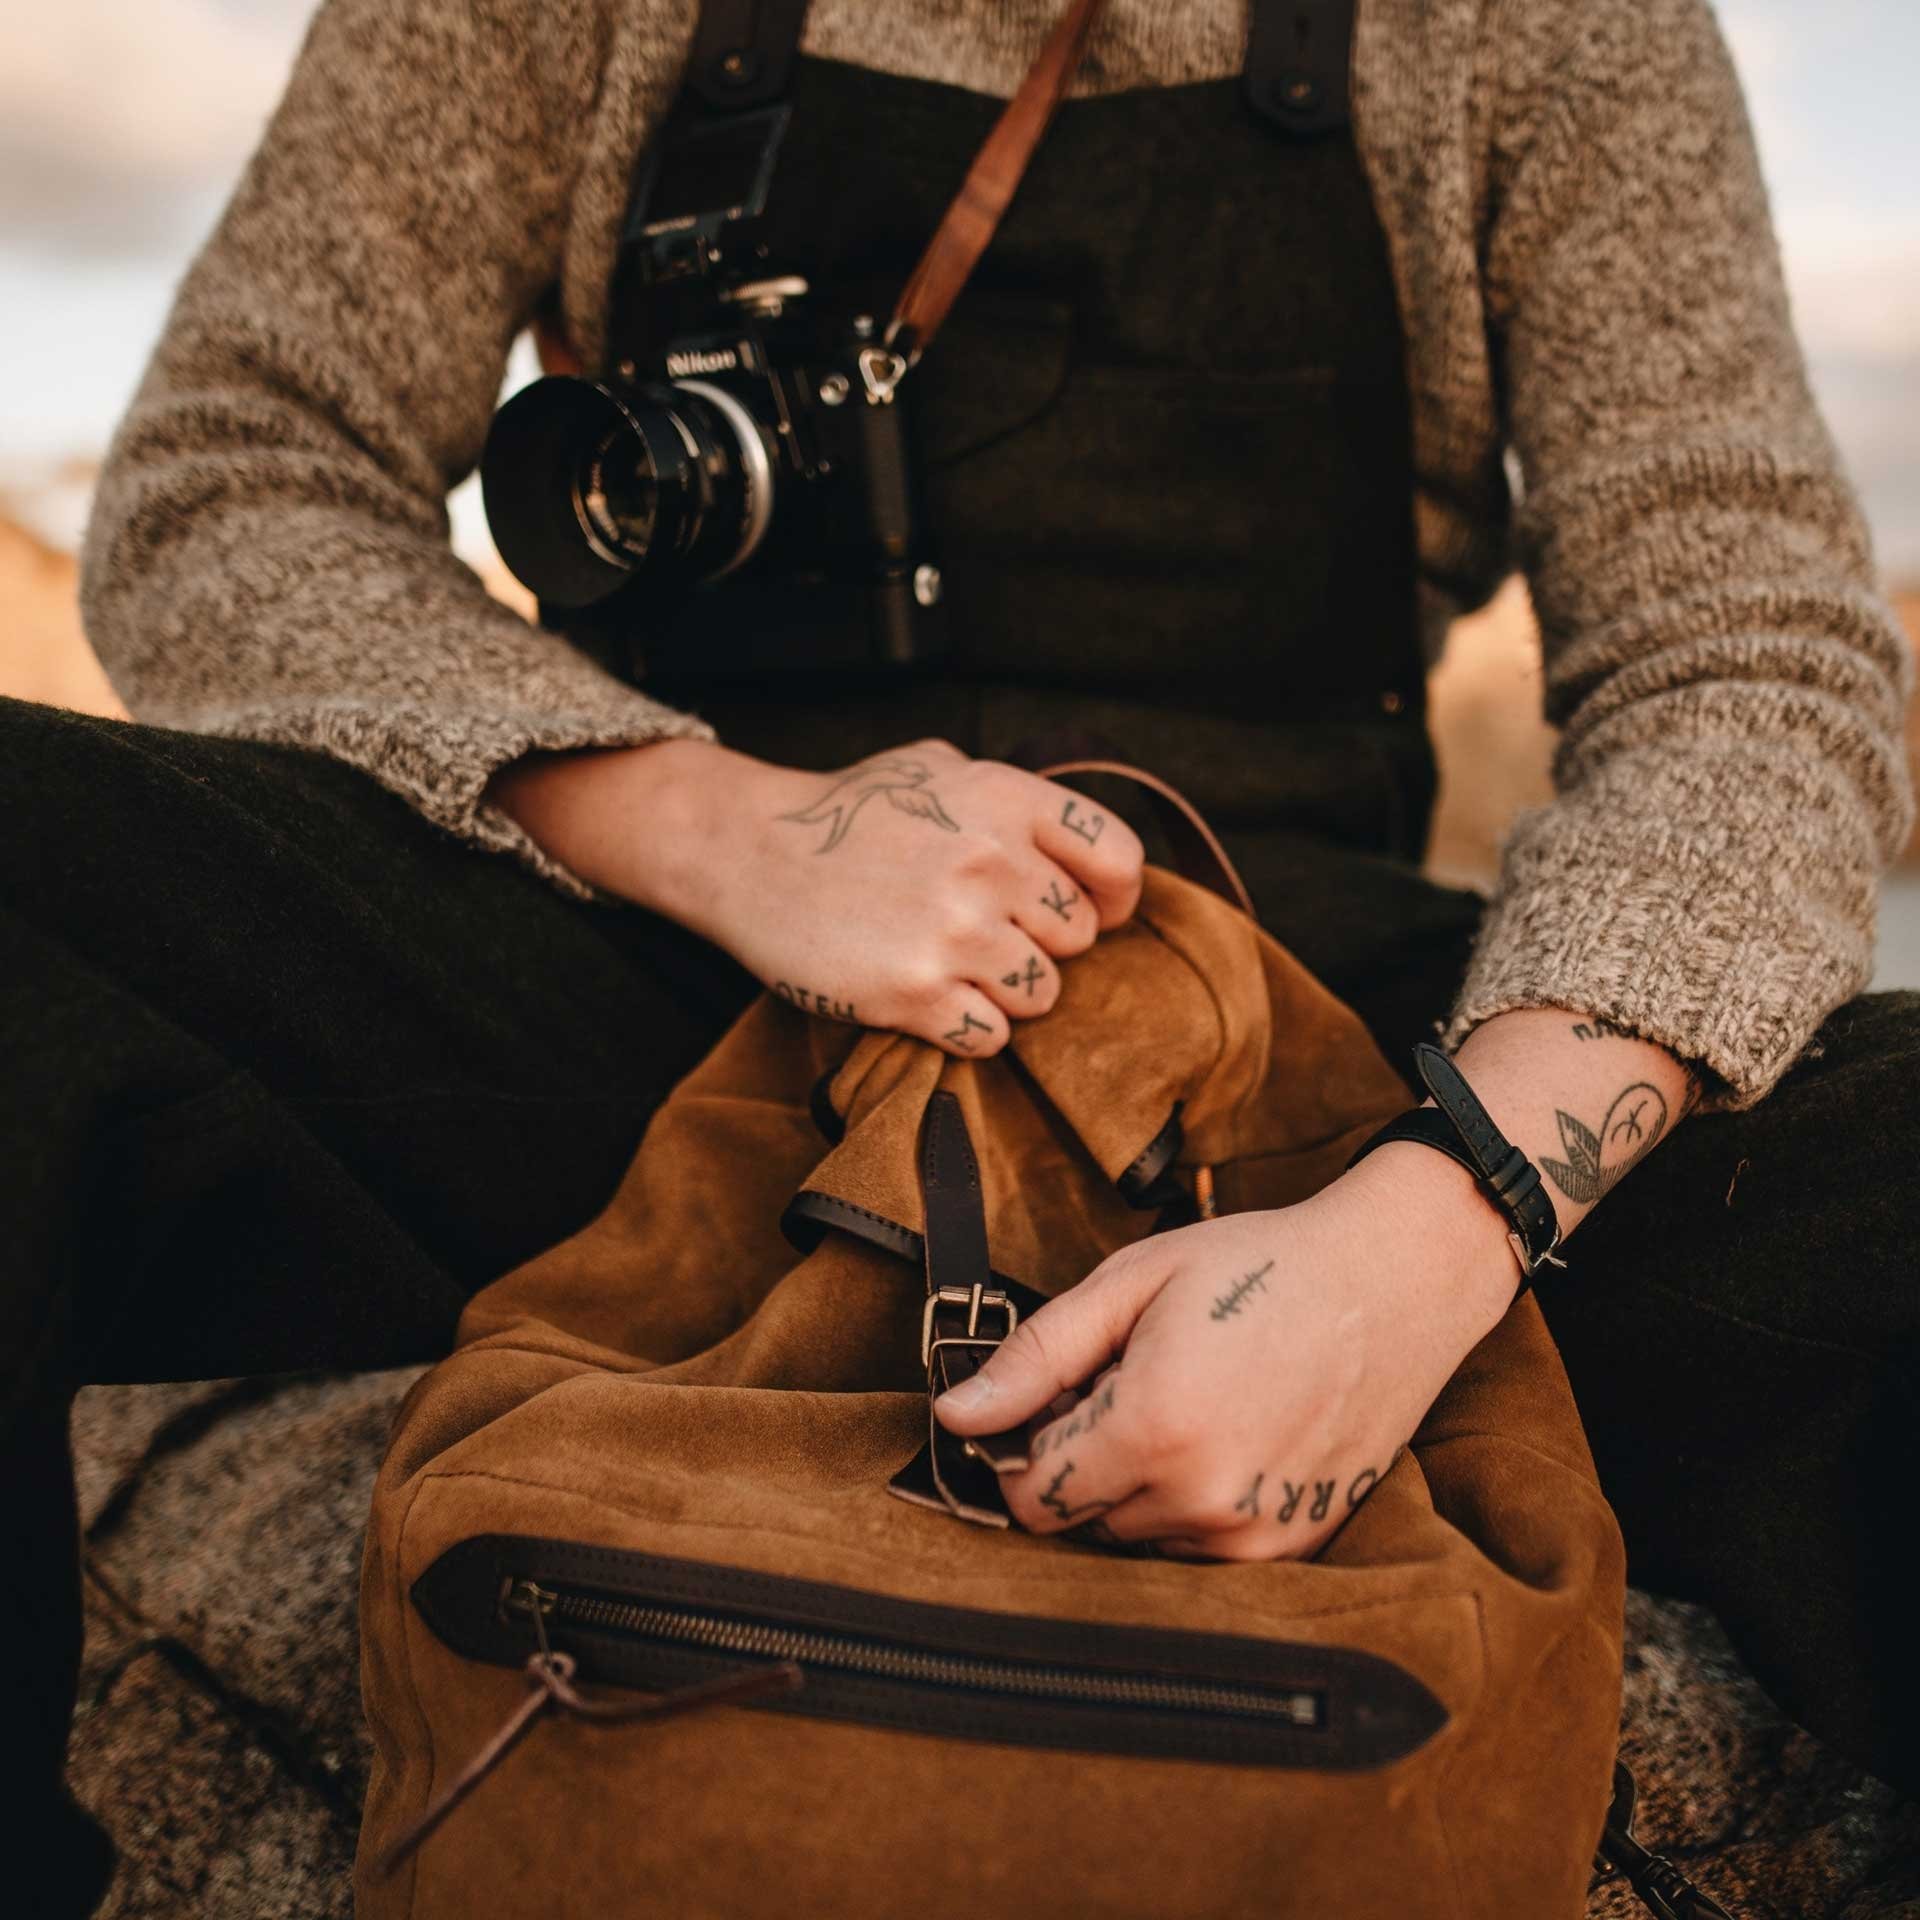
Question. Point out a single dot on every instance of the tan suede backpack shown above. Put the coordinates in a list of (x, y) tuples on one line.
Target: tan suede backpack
[(667, 1609)]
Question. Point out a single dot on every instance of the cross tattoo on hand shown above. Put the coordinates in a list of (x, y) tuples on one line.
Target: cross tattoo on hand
[(1028, 979)]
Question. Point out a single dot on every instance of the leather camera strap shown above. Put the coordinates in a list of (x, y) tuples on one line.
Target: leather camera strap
[(971, 220)]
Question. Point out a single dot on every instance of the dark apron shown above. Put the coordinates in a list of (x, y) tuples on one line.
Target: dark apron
[(1167, 455)]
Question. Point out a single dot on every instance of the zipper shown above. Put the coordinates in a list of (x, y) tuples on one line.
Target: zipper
[(646, 1621), (841, 1654)]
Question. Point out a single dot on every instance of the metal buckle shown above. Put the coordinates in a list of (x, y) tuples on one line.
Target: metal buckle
[(973, 1298), (1529, 1266)]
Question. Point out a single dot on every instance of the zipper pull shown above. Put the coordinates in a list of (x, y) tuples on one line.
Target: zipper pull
[(1664, 1890)]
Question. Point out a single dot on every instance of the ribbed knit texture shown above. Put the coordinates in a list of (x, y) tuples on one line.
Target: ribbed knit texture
[(1587, 274)]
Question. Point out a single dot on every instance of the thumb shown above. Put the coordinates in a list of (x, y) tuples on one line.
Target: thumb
[(1069, 1340)]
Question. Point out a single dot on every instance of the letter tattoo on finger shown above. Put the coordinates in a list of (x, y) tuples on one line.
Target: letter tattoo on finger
[(1249, 1502), (1061, 903), (957, 1036), (1322, 1497), (1088, 826), (1292, 1500), (1362, 1485), (1056, 1504)]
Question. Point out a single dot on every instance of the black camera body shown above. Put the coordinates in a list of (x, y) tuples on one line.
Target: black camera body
[(741, 494)]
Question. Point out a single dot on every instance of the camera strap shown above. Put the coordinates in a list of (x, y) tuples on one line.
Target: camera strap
[(1299, 56), (970, 222)]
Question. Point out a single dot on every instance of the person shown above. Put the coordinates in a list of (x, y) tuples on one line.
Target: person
[(348, 975)]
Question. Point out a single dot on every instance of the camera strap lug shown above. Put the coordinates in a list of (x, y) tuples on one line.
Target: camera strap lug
[(881, 371)]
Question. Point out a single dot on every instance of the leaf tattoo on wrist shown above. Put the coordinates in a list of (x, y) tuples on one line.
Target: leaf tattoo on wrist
[(1597, 1158), (904, 782)]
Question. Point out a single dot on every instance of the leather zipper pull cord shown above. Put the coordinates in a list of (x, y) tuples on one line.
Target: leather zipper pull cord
[(550, 1679)]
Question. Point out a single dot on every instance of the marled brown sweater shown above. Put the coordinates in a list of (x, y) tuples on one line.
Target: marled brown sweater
[(1581, 244)]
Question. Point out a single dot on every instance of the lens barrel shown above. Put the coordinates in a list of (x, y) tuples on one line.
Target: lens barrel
[(588, 487)]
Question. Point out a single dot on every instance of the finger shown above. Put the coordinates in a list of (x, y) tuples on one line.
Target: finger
[(1067, 1341), (1080, 1467), (1054, 910), (1019, 979), (1097, 847), (965, 1023)]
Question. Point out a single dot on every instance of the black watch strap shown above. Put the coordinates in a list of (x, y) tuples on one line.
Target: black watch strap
[(1461, 1128)]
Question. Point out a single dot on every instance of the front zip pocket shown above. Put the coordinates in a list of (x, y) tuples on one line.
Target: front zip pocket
[(641, 1620)]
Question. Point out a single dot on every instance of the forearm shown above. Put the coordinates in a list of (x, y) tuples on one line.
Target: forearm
[(1585, 1101)]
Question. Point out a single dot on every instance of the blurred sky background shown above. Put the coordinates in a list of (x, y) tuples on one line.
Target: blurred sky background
[(122, 126)]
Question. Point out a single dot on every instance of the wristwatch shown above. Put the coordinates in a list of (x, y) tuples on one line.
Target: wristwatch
[(1461, 1128)]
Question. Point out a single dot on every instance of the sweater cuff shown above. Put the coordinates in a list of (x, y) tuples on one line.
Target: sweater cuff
[(1727, 964)]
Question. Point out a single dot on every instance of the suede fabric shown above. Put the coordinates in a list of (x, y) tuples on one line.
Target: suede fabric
[(678, 1379)]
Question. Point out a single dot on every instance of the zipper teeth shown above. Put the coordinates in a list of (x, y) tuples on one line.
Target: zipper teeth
[(850, 1655)]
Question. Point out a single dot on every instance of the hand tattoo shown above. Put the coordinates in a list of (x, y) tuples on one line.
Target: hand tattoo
[(1228, 1304), (1028, 979), (809, 1001), (903, 781), (1596, 1159), (1083, 1419), (957, 1037), (1055, 1502), (1089, 828), (1061, 903)]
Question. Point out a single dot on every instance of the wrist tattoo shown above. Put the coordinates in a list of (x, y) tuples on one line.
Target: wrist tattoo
[(1088, 826), (1598, 1157), (810, 1001), (1227, 1304), (1599, 1027), (1061, 903), (904, 782)]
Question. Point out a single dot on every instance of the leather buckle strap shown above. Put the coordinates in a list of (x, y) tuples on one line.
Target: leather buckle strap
[(973, 1299), (961, 1475)]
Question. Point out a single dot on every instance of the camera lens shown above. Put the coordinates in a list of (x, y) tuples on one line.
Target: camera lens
[(587, 488), (618, 499)]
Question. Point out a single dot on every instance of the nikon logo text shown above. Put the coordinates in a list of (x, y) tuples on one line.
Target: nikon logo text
[(711, 360)]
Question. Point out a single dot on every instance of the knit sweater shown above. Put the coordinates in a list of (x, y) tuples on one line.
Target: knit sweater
[(1580, 240)]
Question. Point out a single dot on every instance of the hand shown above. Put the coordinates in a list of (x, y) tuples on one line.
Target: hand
[(1271, 1366), (918, 890)]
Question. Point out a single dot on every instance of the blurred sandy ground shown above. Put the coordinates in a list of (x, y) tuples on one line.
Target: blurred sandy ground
[(1493, 746)]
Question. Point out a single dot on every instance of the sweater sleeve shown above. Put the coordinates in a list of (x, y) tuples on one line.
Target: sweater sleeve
[(268, 554), (1730, 781)]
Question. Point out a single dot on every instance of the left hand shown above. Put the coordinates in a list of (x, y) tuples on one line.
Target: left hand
[(1271, 1366)]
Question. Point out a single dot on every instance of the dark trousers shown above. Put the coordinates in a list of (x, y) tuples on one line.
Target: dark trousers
[(291, 1073)]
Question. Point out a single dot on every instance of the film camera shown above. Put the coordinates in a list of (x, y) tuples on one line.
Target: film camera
[(740, 496)]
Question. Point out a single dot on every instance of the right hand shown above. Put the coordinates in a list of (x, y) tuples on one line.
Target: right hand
[(918, 889)]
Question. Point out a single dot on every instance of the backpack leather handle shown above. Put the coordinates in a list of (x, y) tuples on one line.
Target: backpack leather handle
[(1197, 852)]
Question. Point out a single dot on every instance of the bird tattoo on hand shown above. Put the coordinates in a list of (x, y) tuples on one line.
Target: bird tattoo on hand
[(904, 782)]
